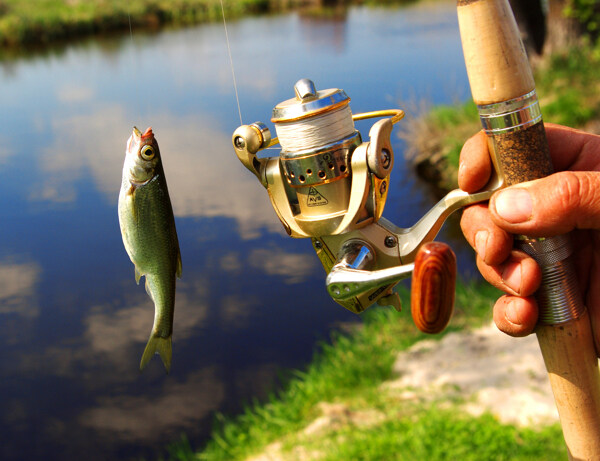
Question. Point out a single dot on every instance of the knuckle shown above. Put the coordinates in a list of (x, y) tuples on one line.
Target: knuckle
[(578, 193), (568, 191)]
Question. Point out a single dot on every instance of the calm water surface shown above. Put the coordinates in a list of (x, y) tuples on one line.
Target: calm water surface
[(251, 301)]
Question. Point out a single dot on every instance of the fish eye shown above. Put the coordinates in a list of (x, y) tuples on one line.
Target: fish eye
[(147, 152)]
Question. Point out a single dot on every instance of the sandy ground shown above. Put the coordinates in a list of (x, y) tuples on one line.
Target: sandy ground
[(496, 373)]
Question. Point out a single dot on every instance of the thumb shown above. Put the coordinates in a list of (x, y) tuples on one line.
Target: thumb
[(549, 206)]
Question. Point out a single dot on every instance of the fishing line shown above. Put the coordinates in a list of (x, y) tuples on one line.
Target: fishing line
[(133, 60), (237, 98), (130, 29), (311, 132)]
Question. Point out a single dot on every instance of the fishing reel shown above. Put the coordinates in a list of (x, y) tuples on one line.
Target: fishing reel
[(330, 186)]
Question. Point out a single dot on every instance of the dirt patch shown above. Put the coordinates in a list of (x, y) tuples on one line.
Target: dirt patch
[(488, 369), (333, 416)]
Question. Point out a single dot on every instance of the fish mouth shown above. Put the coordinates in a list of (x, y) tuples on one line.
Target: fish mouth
[(134, 139), (139, 136), (148, 133)]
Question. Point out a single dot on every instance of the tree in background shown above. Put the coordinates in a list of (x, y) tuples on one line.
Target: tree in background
[(548, 26)]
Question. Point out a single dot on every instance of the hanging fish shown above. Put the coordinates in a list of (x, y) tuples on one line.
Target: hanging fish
[(149, 235)]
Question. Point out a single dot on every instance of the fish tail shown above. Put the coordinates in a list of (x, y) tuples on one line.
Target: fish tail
[(160, 346)]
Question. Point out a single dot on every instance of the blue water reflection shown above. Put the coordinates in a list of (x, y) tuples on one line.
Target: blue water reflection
[(251, 301)]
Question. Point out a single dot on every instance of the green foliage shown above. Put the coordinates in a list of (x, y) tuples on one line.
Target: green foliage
[(568, 87), (33, 22), (42, 21), (587, 13), (179, 451), (569, 108), (456, 123)]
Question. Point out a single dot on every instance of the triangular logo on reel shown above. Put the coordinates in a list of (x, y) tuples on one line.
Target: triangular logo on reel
[(315, 198)]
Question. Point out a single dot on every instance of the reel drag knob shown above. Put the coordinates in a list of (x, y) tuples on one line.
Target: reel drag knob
[(432, 291)]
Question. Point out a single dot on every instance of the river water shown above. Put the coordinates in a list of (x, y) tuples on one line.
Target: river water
[(251, 301)]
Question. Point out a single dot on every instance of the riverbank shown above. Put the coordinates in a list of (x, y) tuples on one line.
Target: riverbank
[(387, 391), (40, 22), (569, 94)]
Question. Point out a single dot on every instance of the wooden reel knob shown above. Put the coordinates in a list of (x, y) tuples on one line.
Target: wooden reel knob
[(432, 291)]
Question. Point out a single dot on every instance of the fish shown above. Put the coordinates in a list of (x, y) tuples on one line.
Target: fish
[(150, 238)]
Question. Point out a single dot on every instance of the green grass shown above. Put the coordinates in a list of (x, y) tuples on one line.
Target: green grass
[(349, 372), (437, 435), (568, 87), (35, 22), (43, 21), (458, 123), (569, 93)]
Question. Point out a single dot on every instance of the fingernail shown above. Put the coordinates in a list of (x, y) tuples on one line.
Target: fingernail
[(481, 239), (511, 276), (514, 205), (512, 314)]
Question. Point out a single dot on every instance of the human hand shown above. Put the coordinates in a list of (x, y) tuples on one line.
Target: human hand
[(565, 201)]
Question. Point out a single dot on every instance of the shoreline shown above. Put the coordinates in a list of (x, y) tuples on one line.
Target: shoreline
[(38, 23)]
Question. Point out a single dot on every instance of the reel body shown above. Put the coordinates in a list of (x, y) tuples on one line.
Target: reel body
[(329, 185)]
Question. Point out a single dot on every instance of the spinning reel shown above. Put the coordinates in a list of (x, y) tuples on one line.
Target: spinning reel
[(330, 186)]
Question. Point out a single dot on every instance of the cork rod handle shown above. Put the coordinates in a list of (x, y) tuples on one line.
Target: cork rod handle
[(504, 91)]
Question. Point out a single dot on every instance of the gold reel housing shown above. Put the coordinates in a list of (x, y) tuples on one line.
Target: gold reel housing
[(326, 181)]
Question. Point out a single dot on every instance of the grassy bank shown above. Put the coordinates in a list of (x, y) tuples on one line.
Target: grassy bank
[(345, 379), (568, 87), (43, 21), (39, 22)]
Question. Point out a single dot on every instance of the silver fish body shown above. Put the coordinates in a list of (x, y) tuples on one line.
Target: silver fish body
[(149, 236)]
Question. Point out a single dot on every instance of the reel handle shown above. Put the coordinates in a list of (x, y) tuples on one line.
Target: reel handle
[(433, 285), (353, 274)]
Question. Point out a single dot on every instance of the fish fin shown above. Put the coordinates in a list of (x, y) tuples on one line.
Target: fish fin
[(178, 270), (148, 291), (131, 196), (160, 346), (138, 275)]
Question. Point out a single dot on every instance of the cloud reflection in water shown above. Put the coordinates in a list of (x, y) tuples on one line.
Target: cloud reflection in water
[(17, 288), (19, 306), (110, 331), (149, 417), (293, 267), (205, 177)]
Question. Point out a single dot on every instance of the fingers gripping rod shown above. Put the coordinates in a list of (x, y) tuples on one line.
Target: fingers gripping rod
[(504, 90)]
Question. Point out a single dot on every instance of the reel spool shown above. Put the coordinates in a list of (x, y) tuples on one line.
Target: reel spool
[(317, 137), (328, 185)]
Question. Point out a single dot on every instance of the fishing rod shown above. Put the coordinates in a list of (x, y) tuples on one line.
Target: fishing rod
[(503, 88)]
